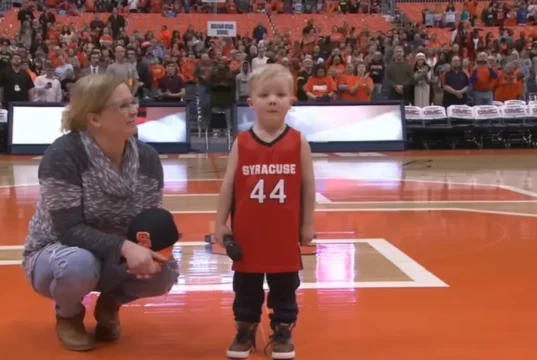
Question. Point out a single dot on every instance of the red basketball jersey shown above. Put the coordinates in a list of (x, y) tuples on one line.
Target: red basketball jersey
[(266, 212)]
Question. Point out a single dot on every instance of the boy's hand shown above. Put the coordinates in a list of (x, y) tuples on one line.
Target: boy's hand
[(219, 232), (306, 235)]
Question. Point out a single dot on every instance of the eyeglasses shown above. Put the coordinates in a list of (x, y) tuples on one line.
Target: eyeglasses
[(124, 108)]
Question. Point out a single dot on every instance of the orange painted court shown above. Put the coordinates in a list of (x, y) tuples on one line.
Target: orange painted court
[(419, 256)]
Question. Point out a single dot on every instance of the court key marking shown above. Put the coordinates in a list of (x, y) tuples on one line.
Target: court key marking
[(421, 277)]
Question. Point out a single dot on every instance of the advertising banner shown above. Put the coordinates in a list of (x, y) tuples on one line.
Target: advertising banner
[(342, 127), (35, 126)]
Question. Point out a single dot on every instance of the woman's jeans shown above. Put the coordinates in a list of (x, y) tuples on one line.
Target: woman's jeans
[(67, 274)]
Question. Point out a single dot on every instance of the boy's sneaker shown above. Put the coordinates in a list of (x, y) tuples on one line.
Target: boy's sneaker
[(282, 343), (244, 341)]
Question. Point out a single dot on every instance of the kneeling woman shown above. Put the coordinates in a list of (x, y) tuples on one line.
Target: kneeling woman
[(93, 181)]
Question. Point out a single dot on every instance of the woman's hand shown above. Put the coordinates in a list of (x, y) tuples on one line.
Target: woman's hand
[(141, 261)]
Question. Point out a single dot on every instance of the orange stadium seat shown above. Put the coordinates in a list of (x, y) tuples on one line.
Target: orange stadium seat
[(149, 22), (9, 23), (245, 22), (295, 23), (154, 22)]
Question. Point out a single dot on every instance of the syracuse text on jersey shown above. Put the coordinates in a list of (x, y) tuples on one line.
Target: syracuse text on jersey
[(269, 169)]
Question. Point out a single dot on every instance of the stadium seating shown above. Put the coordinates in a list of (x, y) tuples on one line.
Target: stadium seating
[(295, 23), (245, 22)]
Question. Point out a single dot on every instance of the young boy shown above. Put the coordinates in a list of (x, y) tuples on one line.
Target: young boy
[(269, 193)]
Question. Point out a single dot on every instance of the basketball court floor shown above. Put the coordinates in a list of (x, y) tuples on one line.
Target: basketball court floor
[(422, 256)]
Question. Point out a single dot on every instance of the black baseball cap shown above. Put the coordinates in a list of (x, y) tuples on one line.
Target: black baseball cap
[(154, 228)]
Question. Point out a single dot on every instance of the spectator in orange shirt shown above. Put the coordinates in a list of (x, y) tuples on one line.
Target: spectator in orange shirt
[(360, 86), (508, 86), (106, 39), (188, 68), (165, 35), (157, 72), (320, 86), (237, 59), (337, 68), (472, 7), (309, 41), (483, 81), (345, 82), (54, 56)]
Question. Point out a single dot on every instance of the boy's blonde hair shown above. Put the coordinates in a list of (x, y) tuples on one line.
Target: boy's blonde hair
[(270, 71)]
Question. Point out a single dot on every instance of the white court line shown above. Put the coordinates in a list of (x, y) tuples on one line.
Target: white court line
[(228, 287), (501, 186), (371, 154), (192, 156), (10, 262), (510, 213), (18, 185), (321, 241), (365, 178), (341, 154), (189, 195), (180, 244), (359, 154), (518, 190), (344, 241), (406, 264), (12, 247), (321, 199), (433, 202), (421, 277), (496, 212), (21, 247), (203, 243)]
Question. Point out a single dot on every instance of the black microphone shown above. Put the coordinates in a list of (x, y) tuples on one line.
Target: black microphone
[(233, 250)]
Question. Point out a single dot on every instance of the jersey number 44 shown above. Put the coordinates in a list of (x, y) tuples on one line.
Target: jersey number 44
[(277, 193)]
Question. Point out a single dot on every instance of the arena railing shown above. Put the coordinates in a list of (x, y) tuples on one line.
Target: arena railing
[(511, 112)]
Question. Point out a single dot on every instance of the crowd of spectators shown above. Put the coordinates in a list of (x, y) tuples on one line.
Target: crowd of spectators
[(496, 13), (349, 62)]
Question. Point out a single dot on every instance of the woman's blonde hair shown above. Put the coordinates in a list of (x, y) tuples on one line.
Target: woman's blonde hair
[(89, 95)]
